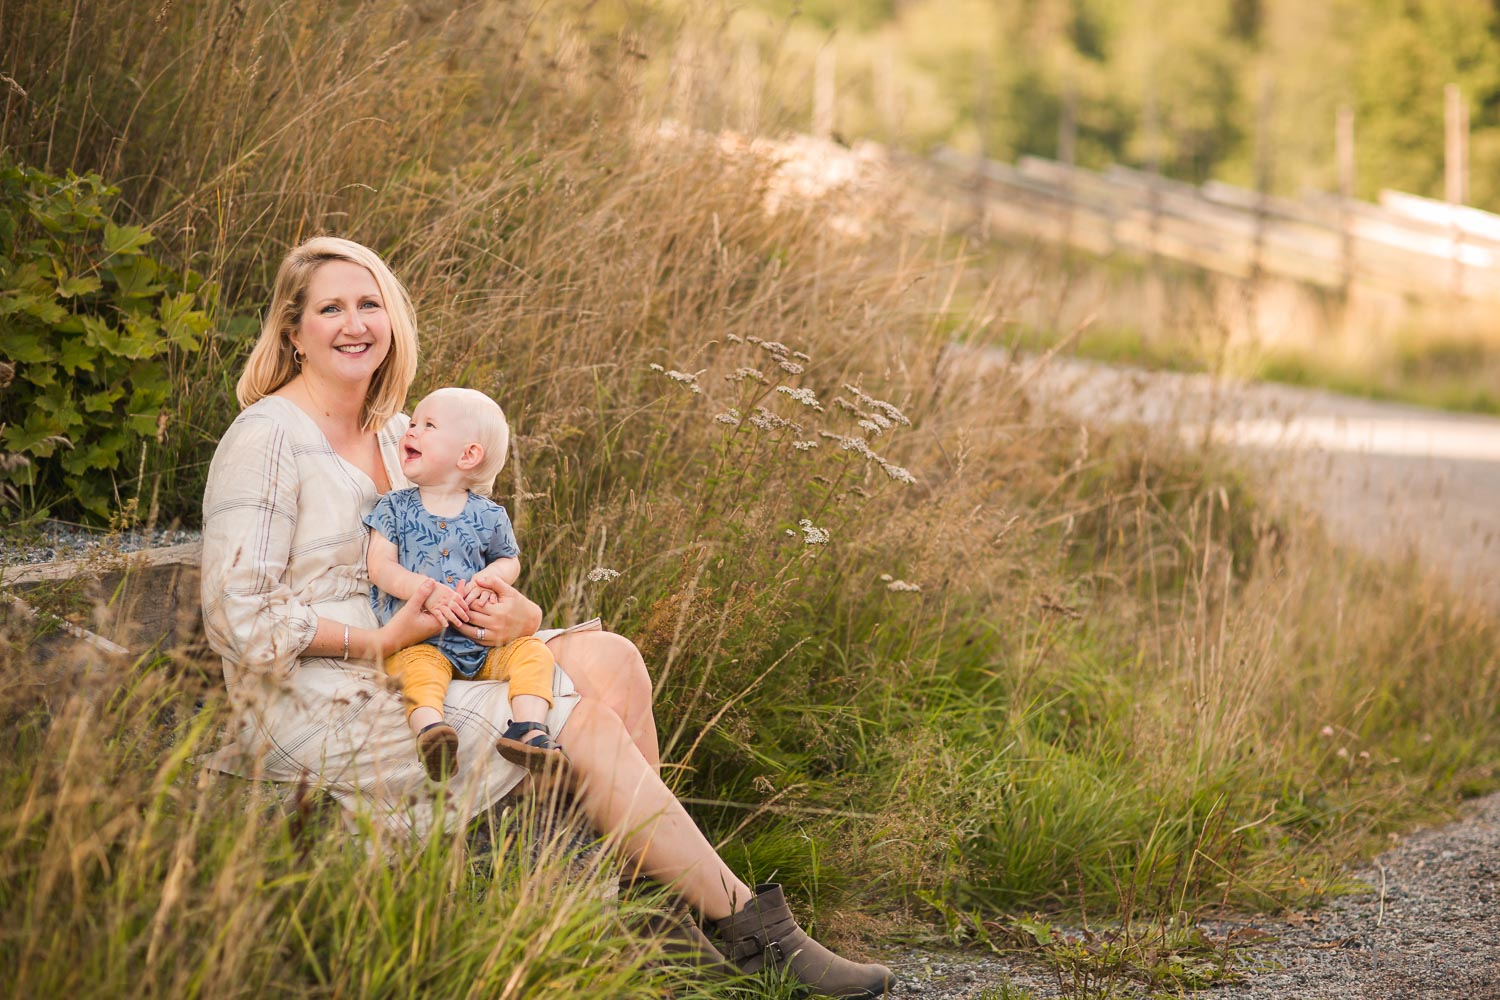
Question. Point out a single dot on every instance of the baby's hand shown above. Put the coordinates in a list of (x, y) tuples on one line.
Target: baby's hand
[(447, 605), (479, 595)]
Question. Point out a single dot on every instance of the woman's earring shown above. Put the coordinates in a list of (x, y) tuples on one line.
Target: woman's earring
[(298, 357)]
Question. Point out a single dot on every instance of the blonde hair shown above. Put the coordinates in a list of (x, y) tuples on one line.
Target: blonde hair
[(490, 429), (271, 365)]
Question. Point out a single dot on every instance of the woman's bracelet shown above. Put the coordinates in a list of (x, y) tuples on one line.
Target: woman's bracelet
[(346, 642)]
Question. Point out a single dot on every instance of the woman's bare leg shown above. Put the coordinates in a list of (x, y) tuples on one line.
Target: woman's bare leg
[(607, 669), (624, 797)]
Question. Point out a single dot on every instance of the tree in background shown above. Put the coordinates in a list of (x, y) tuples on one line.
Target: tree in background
[(1410, 49), (1219, 88)]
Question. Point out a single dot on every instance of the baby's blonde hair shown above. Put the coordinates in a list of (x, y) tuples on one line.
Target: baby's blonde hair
[(490, 429)]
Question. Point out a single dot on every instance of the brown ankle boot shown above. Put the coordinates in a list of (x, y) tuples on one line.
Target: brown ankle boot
[(685, 944), (764, 933), (682, 940)]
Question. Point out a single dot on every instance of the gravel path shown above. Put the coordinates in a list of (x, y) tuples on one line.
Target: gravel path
[(58, 542), (1390, 479), (1427, 928)]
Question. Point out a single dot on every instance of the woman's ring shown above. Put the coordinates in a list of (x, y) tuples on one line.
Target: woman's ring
[(479, 635)]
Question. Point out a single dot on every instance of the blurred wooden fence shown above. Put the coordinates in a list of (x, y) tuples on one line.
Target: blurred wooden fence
[(1415, 246)]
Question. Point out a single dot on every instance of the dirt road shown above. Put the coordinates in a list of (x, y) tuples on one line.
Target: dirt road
[(1390, 479)]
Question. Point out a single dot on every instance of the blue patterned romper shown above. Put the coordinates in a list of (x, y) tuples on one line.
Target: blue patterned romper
[(445, 549)]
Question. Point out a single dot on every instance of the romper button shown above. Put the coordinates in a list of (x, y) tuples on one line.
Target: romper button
[(442, 524), (445, 552)]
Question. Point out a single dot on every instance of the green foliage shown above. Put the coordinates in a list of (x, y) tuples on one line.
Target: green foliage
[(92, 326), (1057, 669)]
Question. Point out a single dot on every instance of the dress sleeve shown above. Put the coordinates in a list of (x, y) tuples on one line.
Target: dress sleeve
[(250, 614), (384, 519), (503, 543)]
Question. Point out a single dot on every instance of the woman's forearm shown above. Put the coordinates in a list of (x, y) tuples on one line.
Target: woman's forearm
[(364, 643)]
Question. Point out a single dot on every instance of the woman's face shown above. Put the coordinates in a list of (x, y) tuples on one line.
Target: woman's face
[(344, 331)]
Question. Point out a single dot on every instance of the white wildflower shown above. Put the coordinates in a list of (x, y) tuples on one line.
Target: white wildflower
[(790, 367), (803, 395), (890, 411), (689, 380), (897, 473), (753, 339), (844, 404), (730, 417), (871, 426), (804, 445), (775, 347), (801, 357), (881, 421), (602, 574), (656, 367), (902, 587), (768, 421), (858, 445), (789, 531), (734, 338), (812, 534), (740, 374)]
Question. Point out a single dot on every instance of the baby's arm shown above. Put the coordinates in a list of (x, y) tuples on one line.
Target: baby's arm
[(506, 569), (387, 573)]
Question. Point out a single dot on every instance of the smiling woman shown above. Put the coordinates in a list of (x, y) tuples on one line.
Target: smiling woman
[(339, 315), (286, 602)]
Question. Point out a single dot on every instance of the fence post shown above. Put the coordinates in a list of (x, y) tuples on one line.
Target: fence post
[(981, 131), (1153, 164), (1456, 173), (1343, 140), (1263, 141), (825, 91), (748, 72), (886, 95), (1067, 143)]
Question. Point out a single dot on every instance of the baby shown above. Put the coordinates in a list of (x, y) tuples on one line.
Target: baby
[(446, 528)]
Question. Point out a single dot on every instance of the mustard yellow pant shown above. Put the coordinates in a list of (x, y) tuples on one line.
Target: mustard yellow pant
[(424, 672)]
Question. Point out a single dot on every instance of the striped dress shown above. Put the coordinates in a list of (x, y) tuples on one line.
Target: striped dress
[(283, 545)]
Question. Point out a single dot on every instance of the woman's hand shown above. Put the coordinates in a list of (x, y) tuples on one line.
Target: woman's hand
[(509, 615), (411, 624)]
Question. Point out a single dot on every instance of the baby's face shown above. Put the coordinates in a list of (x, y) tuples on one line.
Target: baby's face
[(432, 446)]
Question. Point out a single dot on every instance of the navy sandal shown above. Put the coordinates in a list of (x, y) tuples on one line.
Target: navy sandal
[(437, 745), (530, 745)]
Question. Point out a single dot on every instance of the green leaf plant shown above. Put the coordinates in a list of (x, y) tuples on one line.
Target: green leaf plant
[(92, 325)]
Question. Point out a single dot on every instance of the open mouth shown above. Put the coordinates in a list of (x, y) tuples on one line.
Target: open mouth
[(352, 349), (410, 454)]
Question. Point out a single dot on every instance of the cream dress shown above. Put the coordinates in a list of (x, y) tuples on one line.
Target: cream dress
[(283, 545)]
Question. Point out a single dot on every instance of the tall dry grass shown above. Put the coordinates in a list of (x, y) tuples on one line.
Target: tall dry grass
[(920, 645), (128, 869)]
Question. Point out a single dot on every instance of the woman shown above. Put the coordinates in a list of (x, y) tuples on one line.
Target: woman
[(286, 603)]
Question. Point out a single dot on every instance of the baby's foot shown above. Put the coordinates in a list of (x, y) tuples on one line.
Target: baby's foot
[(437, 745), (530, 745)]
